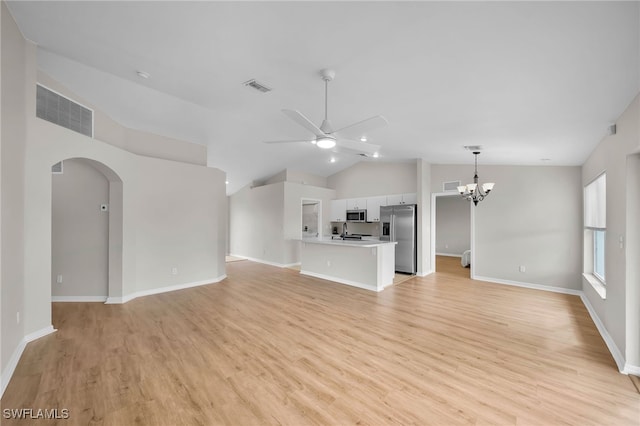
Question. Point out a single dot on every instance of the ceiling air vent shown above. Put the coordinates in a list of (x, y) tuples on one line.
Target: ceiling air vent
[(64, 112), (451, 186), (258, 86)]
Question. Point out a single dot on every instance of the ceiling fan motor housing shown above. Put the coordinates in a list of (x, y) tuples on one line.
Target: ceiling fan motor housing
[(327, 74)]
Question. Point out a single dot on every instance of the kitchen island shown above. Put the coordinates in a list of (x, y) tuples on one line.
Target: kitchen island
[(367, 264)]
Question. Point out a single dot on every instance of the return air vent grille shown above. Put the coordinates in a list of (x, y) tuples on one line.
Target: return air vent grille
[(57, 169), (64, 112), (258, 86), (451, 186)]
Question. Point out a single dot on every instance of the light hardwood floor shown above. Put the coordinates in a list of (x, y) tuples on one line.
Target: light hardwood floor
[(268, 346)]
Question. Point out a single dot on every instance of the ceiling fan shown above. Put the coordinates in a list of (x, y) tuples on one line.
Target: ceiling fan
[(326, 137)]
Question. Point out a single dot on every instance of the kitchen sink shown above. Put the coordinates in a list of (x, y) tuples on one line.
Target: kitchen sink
[(347, 237)]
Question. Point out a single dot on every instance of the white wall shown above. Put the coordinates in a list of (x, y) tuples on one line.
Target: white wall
[(371, 178), (12, 154), (618, 312), (453, 225), (256, 223), (294, 193), (79, 231), (539, 228), (265, 221), (173, 213), (132, 140), (423, 192)]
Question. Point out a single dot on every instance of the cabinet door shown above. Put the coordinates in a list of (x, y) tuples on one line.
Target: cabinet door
[(357, 204), (338, 210), (373, 208), (393, 200), (409, 198)]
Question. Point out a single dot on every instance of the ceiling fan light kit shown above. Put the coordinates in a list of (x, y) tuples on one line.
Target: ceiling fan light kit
[(326, 143), (326, 137), (472, 191)]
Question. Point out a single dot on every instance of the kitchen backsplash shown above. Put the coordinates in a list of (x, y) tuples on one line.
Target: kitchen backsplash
[(358, 228)]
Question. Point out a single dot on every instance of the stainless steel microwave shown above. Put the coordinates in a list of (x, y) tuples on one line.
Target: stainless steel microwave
[(356, 215)]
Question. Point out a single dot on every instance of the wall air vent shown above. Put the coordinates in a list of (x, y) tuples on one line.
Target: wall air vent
[(451, 186), (57, 169), (473, 147), (258, 86), (64, 112)]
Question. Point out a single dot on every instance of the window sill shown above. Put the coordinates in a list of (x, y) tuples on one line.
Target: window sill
[(597, 285)]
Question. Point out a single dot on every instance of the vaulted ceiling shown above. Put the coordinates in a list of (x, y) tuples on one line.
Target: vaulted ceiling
[(526, 80)]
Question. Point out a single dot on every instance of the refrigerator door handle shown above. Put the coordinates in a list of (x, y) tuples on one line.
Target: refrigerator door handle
[(393, 228)]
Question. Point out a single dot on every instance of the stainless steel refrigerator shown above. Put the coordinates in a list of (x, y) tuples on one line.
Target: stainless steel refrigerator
[(398, 223)]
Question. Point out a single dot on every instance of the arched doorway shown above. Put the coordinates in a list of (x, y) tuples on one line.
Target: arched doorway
[(86, 245)]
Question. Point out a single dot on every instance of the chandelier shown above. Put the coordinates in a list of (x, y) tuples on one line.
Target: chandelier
[(472, 191)]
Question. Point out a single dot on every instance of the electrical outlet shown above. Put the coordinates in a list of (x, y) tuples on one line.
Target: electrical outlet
[(17, 317), (522, 268), (328, 263), (174, 271), (59, 279)]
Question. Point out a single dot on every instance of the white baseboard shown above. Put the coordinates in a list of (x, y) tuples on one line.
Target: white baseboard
[(529, 285), (15, 357), (266, 262), (142, 293), (424, 274), (608, 340), (340, 280), (449, 255), (79, 298), (632, 369)]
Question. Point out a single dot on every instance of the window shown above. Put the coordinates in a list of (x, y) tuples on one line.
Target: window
[(595, 231), (598, 254)]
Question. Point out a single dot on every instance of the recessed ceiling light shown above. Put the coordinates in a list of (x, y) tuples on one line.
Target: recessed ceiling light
[(226, 182), (376, 155), (545, 159), (363, 139), (333, 160), (143, 74)]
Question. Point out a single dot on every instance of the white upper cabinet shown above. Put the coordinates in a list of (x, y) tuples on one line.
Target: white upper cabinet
[(357, 204), (373, 208), (370, 204), (338, 210), (409, 198), (392, 200)]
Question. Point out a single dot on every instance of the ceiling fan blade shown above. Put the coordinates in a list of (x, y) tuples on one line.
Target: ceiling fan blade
[(303, 121), (362, 127), (358, 146), (288, 141)]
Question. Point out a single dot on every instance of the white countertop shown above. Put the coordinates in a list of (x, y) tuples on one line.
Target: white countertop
[(351, 243)]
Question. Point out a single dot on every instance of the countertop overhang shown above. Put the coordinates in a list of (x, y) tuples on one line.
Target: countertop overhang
[(346, 243)]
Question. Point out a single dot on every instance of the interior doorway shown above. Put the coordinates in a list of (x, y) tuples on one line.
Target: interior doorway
[(310, 218), (452, 236), (86, 232)]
